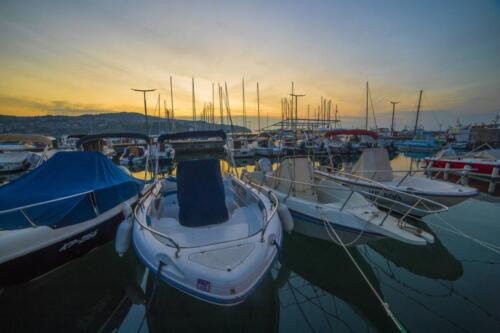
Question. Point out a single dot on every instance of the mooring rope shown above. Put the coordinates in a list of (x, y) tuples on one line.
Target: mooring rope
[(384, 304)]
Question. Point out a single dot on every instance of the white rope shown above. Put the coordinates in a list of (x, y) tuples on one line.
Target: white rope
[(492, 247), (384, 304), (329, 226)]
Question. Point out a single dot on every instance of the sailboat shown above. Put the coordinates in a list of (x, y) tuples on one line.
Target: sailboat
[(319, 204), (209, 235)]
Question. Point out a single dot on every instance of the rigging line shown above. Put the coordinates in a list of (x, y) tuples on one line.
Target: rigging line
[(393, 277), (373, 109), (309, 300), (425, 307), (322, 309), (377, 295), (300, 308), (430, 108)]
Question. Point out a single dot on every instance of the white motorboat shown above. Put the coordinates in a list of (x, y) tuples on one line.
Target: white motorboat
[(239, 147), (16, 154), (135, 155), (373, 174), (50, 216), (210, 236), (264, 146), (319, 204)]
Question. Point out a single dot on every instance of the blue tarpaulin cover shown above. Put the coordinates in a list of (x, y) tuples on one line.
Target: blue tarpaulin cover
[(63, 175), (200, 192)]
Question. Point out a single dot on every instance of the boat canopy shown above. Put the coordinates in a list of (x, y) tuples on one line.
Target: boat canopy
[(336, 132), (28, 138), (192, 134), (296, 176), (200, 193), (489, 154), (374, 164), (94, 137), (71, 187)]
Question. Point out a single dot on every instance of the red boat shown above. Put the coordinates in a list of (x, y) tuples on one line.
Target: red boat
[(484, 163)]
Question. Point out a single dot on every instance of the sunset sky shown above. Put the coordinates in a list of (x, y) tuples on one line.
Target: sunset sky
[(75, 57)]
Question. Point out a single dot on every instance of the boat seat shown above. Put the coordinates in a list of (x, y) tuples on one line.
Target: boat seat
[(200, 193), (234, 228)]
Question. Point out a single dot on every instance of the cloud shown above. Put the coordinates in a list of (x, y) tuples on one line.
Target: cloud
[(56, 107)]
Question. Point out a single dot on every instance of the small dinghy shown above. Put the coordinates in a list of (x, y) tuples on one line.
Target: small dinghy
[(210, 236), (319, 204), (373, 174), (59, 211)]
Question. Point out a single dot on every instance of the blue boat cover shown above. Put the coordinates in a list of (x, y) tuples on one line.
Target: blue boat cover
[(200, 193), (66, 174)]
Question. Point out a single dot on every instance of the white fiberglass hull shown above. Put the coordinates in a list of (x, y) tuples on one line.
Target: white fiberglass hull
[(222, 273), (30, 252), (437, 191)]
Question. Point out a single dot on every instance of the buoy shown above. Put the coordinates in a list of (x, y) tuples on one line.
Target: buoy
[(285, 218), (124, 232)]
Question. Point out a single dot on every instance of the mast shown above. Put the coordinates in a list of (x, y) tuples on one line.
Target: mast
[(144, 91), (258, 107), (366, 115), (172, 103), (220, 106), (194, 105), (418, 112), (213, 105), (244, 108), (392, 121)]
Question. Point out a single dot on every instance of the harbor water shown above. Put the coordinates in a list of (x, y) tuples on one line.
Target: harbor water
[(452, 285)]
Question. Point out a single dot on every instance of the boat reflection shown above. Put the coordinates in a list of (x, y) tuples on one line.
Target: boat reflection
[(173, 311), (433, 261), (90, 294), (326, 265)]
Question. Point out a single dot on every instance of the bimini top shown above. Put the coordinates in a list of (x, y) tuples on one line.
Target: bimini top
[(71, 187), (352, 132), (192, 134), (94, 137)]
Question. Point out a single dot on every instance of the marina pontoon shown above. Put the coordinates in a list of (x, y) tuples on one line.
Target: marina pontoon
[(208, 235)]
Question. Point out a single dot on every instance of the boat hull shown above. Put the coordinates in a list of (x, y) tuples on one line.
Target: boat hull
[(26, 254), (312, 227), (37, 263)]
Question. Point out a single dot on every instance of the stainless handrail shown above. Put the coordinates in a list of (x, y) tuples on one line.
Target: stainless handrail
[(140, 205)]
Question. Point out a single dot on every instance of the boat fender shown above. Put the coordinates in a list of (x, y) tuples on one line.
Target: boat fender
[(428, 237), (285, 218), (124, 232)]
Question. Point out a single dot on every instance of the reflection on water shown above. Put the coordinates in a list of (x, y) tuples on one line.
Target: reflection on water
[(451, 285)]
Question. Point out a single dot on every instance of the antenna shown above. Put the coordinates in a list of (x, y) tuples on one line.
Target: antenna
[(144, 91)]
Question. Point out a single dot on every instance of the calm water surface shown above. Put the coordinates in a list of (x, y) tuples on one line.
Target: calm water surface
[(450, 286)]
